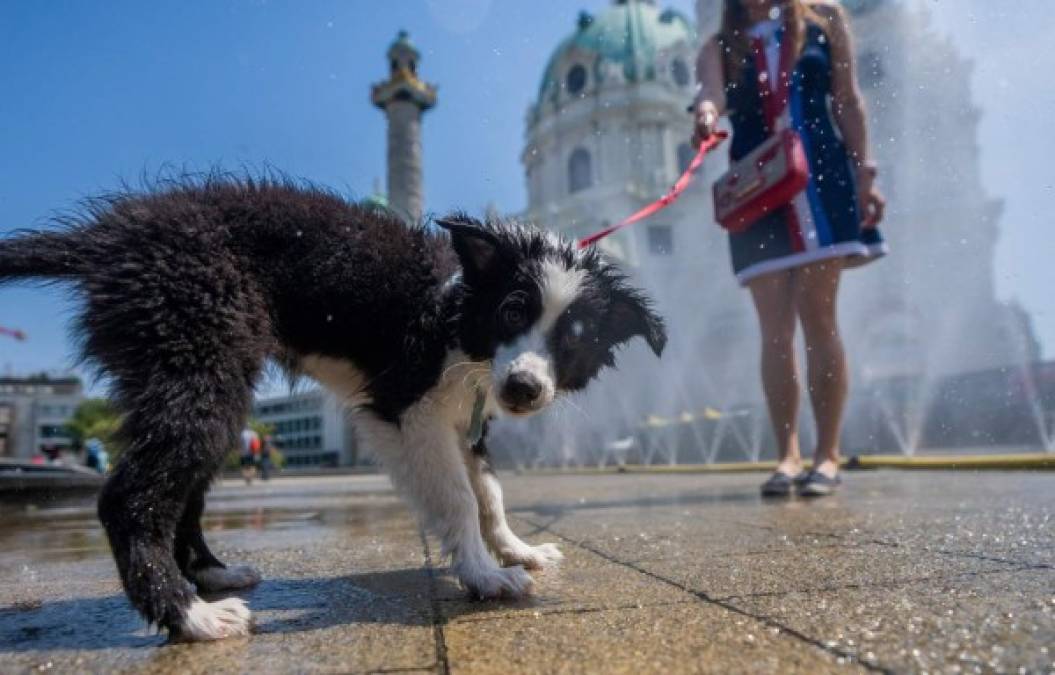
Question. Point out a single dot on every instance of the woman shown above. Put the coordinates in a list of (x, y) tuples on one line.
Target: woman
[(792, 258)]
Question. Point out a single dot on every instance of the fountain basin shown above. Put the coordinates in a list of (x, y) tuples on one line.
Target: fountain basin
[(25, 482)]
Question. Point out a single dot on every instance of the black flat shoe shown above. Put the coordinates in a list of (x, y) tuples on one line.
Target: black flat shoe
[(780, 484), (816, 484)]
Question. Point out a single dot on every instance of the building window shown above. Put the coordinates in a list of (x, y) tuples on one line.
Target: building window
[(580, 173), (52, 431), (576, 80), (685, 156), (680, 72), (660, 240)]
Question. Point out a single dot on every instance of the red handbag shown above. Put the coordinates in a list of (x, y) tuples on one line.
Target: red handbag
[(772, 174), (765, 180)]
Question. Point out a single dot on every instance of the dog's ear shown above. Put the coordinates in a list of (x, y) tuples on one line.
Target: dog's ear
[(478, 249), (632, 315)]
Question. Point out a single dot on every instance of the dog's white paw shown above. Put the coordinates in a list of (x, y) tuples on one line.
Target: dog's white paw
[(497, 582), (215, 620), (213, 579), (532, 557)]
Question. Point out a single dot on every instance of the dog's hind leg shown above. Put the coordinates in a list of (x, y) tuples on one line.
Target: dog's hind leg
[(177, 431), (197, 562), (511, 550), (424, 457)]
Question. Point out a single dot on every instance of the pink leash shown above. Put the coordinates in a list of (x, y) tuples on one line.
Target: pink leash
[(666, 200)]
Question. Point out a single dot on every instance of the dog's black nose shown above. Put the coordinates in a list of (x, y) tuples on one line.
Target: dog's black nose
[(521, 389)]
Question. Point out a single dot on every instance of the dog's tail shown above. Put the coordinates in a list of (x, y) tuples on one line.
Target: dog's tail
[(39, 255)]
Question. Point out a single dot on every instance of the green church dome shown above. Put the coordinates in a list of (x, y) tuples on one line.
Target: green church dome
[(629, 33)]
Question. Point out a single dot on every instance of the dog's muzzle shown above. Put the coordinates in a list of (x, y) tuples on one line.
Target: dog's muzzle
[(527, 386), (522, 390)]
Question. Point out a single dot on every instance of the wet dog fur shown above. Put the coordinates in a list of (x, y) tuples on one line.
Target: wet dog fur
[(190, 287)]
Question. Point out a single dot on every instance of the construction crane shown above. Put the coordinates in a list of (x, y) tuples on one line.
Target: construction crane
[(13, 333)]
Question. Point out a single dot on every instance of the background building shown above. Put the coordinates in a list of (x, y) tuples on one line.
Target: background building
[(34, 412), (312, 429)]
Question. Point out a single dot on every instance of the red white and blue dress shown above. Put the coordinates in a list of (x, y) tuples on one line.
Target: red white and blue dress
[(823, 221)]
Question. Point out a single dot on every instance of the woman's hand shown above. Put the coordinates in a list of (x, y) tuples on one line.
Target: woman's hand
[(869, 199), (706, 122)]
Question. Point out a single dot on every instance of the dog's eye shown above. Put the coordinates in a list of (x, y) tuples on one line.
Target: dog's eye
[(513, 316)]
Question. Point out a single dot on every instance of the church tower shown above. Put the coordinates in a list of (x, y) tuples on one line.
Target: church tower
[(404, 97)]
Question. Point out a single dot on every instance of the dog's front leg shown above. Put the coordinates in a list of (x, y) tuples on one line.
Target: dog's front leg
[(511, 549), (425, 460)]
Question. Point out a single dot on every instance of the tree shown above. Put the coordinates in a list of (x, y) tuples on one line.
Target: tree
[(261, 428), (96, 418)]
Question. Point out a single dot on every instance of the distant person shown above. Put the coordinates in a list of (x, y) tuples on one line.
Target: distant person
[(251, 445), (51, 453), (267, 457), (95, 455), (791, 259)]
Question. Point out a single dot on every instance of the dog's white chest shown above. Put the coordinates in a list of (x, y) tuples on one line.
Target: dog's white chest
[(456, 394)]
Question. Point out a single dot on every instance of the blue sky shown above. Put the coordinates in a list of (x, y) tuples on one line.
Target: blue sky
[(92, 93)]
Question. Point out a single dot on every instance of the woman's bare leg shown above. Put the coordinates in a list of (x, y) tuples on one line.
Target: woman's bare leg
[(816, 289), (774, 298)]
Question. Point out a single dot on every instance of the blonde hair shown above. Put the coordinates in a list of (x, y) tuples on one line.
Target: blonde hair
[(732, 36)]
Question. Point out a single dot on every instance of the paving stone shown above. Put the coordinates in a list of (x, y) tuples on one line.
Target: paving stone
[(582, 582), (676, 639), (988, 622), (907, 572)]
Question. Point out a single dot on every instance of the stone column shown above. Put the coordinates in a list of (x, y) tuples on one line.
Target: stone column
[(404, 159), (403, 98)]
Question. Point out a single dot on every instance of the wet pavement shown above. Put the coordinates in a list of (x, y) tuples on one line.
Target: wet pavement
[(902, 572)]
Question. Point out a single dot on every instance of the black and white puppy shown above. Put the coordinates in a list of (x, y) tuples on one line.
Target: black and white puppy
[(189, 289)]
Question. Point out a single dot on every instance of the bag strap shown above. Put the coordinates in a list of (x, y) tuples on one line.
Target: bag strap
[(774, 104)]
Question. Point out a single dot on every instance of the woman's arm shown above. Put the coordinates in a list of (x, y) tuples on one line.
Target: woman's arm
[(709, 78), (847, 103), (848, 109), (709, 104)]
